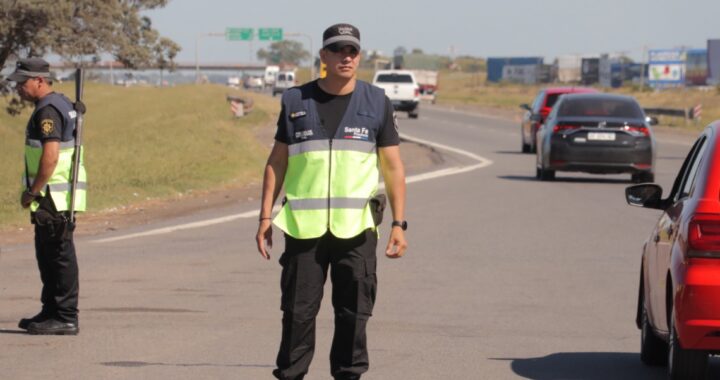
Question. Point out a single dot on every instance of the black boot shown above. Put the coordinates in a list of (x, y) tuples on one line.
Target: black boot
[(53, 327), (39, 317)]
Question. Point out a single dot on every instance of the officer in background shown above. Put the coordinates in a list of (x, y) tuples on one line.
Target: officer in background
[(331, 133), (49, 149)]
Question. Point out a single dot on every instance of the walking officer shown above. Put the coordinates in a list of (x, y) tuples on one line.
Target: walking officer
[(331, 135), (49, 150)]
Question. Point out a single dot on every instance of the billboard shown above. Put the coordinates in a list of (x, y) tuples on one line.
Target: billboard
[(590, 71), (696, 68), (496, 65), (525, 74), (713, 56), (666, 67)]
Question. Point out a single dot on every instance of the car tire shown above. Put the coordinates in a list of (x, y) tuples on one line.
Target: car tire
[(643, 177), (685, 364), (526, 148), (413, 114), (653, 350), (545, 174)]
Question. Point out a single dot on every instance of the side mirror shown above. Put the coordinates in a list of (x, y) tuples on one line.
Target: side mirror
[(526, 107), (536, 117), (646, 195), (652, 120)]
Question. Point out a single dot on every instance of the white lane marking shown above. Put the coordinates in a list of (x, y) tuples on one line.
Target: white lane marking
[(481, 163)]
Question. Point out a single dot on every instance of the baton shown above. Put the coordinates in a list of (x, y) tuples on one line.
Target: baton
[(79, 81)]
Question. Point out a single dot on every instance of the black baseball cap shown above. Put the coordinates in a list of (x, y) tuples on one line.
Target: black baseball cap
[(30, 68), (339, 35)]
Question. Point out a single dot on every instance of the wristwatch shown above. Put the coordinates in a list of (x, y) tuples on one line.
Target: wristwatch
[(400, 223)]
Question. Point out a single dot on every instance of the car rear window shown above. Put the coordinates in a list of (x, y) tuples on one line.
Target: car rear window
[(394, 78), (626, 108), (551, 100)]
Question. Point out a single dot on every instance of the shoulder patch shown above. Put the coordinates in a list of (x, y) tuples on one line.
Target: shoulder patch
[(47, 126)]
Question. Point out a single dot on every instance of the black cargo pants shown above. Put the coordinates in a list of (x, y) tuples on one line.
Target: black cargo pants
[(57, 261), (305, 263)]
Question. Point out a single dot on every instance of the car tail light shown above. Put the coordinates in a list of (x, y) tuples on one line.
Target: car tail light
[(417, 91), (563, 128), (637, 129), (704, 235)]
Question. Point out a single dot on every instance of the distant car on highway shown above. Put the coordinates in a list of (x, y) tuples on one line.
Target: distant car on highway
[(678, 308), (537, 112), (284, 80), (402, 88), (596, 133), (254, 83)]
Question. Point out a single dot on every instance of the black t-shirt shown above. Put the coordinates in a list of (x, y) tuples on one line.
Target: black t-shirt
[(331, 109), (47, 125)]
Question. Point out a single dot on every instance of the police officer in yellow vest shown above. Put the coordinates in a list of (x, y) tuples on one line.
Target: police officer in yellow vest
[(49, 148), (331, 134)]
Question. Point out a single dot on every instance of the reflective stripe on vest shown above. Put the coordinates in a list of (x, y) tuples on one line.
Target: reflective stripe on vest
[(59, 184), (329, 182)]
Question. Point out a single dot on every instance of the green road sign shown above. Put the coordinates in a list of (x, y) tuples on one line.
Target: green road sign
[(239, 34), (270, 34)]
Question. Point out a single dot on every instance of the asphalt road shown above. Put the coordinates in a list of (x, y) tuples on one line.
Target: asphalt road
[(506, 277)]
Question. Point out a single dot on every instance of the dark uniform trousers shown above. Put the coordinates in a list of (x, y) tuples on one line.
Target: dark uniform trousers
[(305, 263), (55, 253)]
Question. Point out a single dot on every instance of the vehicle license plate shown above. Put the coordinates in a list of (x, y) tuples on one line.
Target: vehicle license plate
[(601, 136)]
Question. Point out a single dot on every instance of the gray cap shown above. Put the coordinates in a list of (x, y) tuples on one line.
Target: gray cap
[(340, 35), (30, 68)]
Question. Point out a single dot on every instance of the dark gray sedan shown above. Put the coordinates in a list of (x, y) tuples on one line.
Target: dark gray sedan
[(596, 133)]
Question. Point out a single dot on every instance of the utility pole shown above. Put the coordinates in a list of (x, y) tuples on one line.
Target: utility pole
[(643, 62)]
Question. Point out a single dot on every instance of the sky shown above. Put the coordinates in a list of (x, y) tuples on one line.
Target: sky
[(547, 28)]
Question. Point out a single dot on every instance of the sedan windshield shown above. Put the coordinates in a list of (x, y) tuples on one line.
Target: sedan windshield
[(606, 107)]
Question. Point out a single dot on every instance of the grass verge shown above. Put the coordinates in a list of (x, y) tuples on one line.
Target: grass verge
[(147, 142)]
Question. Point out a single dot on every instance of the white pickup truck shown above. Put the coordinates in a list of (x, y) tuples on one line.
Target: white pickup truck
[(402, 88)]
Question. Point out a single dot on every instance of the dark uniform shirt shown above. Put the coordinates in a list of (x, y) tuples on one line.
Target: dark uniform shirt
[(47, 125), (331, 109)]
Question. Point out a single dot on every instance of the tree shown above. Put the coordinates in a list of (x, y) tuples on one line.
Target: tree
[(165, 52), (417, 51), (82, 30), (285, 51)]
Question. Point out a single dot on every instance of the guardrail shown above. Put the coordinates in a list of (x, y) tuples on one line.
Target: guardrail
[(691, 113)]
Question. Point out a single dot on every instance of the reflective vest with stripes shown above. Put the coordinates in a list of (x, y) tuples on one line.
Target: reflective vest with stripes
[(330, 179), (59, 185)]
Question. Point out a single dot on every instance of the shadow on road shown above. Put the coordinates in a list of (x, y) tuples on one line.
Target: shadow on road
[(4, 331), (512, 152), (135, 364), (568, 179), (592, 366)]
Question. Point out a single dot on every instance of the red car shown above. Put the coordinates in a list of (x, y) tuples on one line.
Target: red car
[(535, 115), (679, 298)]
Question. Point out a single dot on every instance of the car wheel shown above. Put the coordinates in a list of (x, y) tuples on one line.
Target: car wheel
[(545, 174), (413, 114), (653, 350), (526, 148), (682, 363)]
